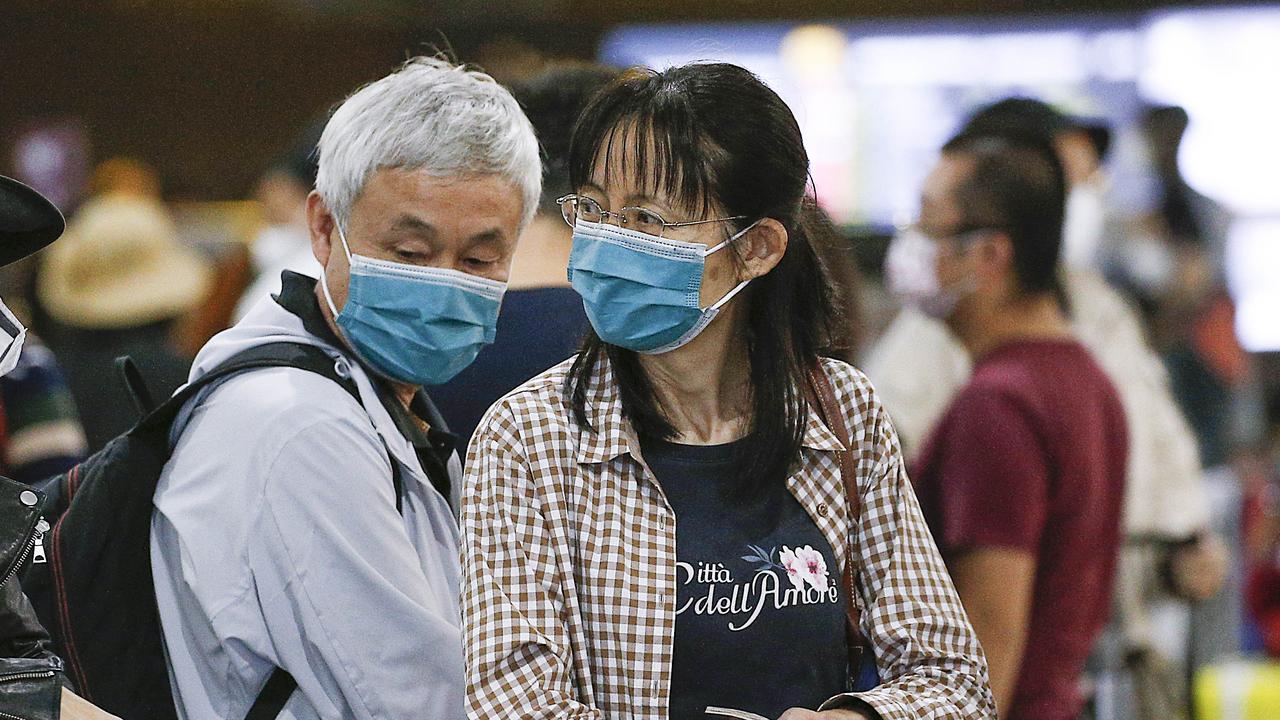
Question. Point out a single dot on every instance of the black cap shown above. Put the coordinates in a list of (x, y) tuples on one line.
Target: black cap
[(28, 221), (1028, 117), (1018, 115)]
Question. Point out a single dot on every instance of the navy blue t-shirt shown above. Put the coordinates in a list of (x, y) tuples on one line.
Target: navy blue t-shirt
[(759, 612), (537, 328)]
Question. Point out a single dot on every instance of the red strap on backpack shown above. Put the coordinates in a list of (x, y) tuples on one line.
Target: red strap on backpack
[(832, 416)]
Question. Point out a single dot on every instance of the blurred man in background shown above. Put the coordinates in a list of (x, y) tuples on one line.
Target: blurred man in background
[(1169, 554), (542, 319), (284, 243), (1022, 481)]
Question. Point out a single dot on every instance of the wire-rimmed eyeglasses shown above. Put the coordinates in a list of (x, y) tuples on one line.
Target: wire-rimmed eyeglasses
[(573, 206)]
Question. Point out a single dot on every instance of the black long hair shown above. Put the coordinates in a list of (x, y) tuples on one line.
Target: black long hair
[(714, 138)]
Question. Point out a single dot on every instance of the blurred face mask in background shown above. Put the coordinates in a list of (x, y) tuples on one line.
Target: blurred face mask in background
[(911, 275), (12, 335), (1084, 225)]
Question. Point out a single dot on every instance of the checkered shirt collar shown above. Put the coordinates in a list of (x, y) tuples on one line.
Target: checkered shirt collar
[(609, 434)]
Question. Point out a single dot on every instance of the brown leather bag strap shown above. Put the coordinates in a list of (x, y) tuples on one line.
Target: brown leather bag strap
[(833, 417)]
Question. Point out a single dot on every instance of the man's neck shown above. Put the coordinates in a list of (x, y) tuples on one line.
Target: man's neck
[(404, 393), (1039, 317)]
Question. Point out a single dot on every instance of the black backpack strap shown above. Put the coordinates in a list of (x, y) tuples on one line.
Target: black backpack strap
[(273, 696), (279, 354), (135, 386)]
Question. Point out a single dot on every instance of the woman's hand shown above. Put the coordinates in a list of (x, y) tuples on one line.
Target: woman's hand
[(802, 714)]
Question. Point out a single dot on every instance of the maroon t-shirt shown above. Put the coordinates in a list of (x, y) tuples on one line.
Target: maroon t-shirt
[(1031, 456)]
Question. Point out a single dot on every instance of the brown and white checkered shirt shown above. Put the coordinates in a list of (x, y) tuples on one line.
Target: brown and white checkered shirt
[(569, 563)]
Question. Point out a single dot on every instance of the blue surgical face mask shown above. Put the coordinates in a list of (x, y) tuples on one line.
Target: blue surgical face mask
[(643, 292), (416, 325)]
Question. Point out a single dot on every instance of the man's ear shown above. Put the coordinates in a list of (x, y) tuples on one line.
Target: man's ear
[(763, 247), (321, 225), (994, 258)]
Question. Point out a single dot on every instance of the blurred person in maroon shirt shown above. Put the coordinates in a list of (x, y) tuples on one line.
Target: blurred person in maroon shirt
[(1022, 481)]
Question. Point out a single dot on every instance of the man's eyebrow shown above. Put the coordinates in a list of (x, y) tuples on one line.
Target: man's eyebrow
[(414, 225), (487, 237)]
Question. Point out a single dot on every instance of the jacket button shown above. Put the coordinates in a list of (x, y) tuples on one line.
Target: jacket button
[(28, 498), (822, 509)]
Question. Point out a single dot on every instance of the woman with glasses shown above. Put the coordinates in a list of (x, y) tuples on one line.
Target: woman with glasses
[(697, 516)]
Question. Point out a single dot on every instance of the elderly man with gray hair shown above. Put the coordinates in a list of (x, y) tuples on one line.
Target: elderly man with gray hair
[(304, 542)]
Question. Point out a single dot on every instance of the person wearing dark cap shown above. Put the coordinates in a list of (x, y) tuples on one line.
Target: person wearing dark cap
[(35, 687), (1081, 144), (28, 222), (40, 433)]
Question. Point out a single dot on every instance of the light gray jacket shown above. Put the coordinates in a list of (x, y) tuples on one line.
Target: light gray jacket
[(276, 542)]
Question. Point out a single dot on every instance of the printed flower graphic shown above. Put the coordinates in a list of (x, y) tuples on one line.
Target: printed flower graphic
[(814, 567), (795, 567), (802, 565), (805, 566)]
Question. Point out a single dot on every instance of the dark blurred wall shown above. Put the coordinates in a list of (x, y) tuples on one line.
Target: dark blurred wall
[(206, 96), (209, 91)]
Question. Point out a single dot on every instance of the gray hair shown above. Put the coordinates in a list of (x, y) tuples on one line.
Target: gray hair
[(433, 115)]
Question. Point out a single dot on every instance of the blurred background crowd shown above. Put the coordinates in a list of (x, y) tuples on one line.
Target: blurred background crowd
[(178, 138)]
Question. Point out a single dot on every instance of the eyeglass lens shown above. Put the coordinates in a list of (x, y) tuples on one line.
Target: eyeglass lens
[(636, 218)]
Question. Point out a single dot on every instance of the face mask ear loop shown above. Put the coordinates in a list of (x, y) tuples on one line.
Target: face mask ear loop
[(328, 298), (735, 236), (324, 279), (729, 295), (343, 237)]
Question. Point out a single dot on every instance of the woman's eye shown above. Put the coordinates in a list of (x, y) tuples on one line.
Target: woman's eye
[(408, 255), (589, 209), (648, 218), (480, 262)]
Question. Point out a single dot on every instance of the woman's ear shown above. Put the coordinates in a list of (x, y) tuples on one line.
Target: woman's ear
[(763, 247)]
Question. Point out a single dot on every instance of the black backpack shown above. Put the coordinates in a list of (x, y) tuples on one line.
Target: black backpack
[(95, 593)]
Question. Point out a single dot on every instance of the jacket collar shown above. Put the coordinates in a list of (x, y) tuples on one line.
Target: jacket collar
[(432, 447), (610, 434)]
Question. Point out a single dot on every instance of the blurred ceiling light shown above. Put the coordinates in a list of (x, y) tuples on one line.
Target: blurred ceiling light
[(813, 51)]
